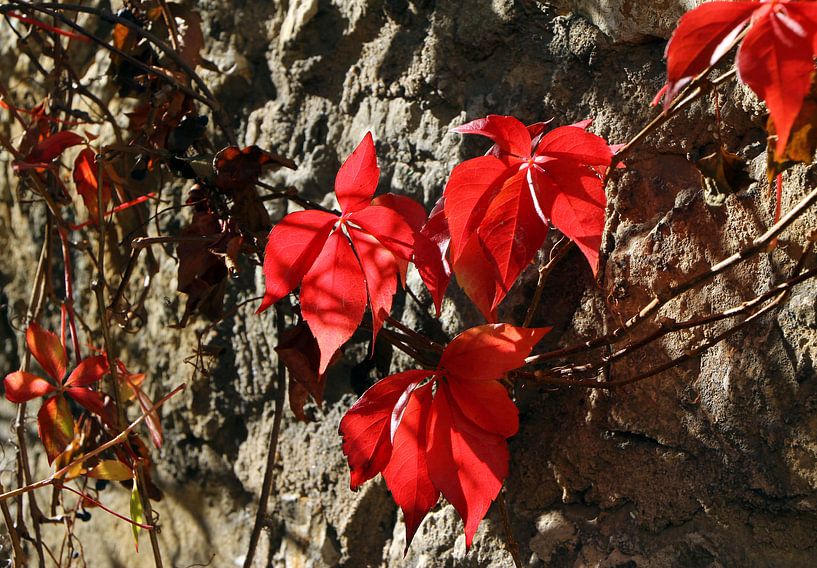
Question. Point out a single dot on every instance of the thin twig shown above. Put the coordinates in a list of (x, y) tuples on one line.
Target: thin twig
[(557, 253), (510, 540), (758, 245), (269, 472), (121, 437)]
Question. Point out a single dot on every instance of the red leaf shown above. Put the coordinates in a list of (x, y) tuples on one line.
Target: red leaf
[(407, 474), (512, 231), (573, 198), (574, 143), (367, 427), (431, 254), (47, 350), (468, 193), (412, 212), (333, 296), (291, 250), (89, 371), (55, 426), (776, 60), (22, 387), (510, 135), (389, 227), (486, 404), (357, 178), (48, 149), (88, 399), (476, 276), (86, 176), (466, 463), (487, 352), (701, 37), (380, 273)]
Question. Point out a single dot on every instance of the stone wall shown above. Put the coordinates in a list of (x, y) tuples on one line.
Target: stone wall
[(713, 463)]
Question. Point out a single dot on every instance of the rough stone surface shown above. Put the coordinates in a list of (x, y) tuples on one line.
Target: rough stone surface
[(712, 463)]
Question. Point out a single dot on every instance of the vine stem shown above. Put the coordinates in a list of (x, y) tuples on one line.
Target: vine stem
[(557, 253), (758, 245), (269, 472), (510, 540), (121, 437)]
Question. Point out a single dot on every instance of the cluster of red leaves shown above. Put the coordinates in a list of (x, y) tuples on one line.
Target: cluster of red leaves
[(495, 210), (775, 58), (442, 431), (344, 262), (55, 421)]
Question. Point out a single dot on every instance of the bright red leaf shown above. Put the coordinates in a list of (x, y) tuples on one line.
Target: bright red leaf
[(506, 200), (86, 178), (339, 277), (431, 254), (333, 296), (446, 436), (775, 59), (54, 421), (48, 149)]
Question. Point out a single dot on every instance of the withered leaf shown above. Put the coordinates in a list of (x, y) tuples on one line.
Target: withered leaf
[(298, 349), (240, 168), (722, 173)]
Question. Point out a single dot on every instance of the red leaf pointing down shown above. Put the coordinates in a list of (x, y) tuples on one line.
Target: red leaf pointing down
[(333, 296), (447, 436), (431, 246)]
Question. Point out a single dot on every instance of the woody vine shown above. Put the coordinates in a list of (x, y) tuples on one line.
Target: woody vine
[(438, 430)]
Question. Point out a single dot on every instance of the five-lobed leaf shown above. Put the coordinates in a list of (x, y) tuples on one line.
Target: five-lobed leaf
[(447, 436), (343, 263)]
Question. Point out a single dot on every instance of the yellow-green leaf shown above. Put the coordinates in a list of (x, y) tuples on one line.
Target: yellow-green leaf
[(137, 514), (112, 470)]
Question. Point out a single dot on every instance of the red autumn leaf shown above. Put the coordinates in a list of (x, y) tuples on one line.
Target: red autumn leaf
[(89, 371), (476, 276), (470, 188), (775, 59), (333, 296), (412, 212), (89, 399), (21, 387), (407, 473), (466, 463), (86, 177), (512, 231), (508, 198), (339, 277), (293, 245), (55, 426), (431, 254), (488, 352), (367, 427), (451, 440), (47, 350), (48, 149), (380, 273), (702, 36), (357, 177)]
